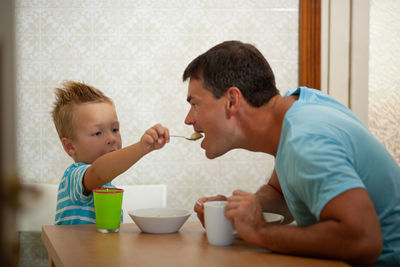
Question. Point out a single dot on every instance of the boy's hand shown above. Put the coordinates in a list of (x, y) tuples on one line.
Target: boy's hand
[(155, 138)]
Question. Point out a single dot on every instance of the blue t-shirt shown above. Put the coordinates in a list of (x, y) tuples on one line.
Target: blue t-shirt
[(325, 150), (74, 207)]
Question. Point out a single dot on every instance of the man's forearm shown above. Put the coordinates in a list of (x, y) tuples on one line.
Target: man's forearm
[(327, 239), (346, 232)]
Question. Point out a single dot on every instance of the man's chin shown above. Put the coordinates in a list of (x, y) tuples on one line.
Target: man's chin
[(211, 155)]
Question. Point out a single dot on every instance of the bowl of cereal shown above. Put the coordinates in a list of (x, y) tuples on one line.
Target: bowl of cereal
[(159, 220)]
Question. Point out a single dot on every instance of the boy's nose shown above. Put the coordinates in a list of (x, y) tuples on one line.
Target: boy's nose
[(111, 138)]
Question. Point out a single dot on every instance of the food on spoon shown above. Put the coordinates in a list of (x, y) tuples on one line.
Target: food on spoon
[(196, 136)]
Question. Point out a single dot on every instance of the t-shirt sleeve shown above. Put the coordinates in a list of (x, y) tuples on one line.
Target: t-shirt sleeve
[(323, 168), (75, 178)]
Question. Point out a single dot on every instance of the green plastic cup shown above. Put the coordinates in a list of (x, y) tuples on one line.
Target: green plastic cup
[(107, 205)]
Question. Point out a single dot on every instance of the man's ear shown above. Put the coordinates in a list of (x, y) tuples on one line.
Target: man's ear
[(68, 146), (234, 97)]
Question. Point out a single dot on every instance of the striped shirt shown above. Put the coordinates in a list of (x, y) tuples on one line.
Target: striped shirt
[(73, 207)]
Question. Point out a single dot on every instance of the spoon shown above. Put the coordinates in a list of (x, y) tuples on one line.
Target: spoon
[(195, 136)]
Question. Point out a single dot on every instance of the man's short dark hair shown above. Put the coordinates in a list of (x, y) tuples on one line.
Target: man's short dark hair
[(233, 63)]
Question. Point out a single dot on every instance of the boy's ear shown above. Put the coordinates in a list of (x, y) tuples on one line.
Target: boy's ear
[(233, 95), (68, 146)]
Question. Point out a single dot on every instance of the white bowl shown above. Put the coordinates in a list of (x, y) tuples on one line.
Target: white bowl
[(159, 220), (273, 218)]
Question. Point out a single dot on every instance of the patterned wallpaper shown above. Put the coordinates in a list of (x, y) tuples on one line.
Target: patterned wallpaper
[(135, 51), (384, 67)]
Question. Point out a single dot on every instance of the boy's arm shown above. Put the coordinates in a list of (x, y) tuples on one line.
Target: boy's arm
[(105, 168)]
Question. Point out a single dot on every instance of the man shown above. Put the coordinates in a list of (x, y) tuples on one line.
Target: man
[(336, 180)]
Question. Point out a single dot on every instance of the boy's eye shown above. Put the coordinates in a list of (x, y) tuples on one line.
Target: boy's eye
[(97, 133), (115, 130)]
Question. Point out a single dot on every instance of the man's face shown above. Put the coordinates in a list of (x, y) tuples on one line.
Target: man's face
[(208, 115), (97, 131)]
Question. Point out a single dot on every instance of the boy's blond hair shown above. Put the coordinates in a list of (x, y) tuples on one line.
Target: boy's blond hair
[(67, 97)]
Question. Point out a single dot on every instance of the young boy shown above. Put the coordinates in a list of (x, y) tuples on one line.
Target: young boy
[(88, 127)]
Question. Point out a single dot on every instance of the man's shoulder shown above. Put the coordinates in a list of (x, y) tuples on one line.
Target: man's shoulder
[(301, 91)]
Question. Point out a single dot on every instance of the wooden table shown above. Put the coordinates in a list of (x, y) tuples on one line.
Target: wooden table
[(82, 245)]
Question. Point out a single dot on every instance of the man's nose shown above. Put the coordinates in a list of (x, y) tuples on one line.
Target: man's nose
[(189, 119)]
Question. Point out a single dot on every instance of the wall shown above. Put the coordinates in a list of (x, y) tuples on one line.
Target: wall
[(359, 63), (135, 51), (384, 67), (344, 53)]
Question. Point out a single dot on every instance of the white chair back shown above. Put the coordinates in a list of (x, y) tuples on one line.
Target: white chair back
[(39, 203), (141, 197)]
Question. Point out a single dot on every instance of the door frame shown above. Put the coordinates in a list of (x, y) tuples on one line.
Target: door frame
[(334, 50)]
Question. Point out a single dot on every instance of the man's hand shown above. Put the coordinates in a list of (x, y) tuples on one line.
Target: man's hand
[(199, 205), (244, 211)]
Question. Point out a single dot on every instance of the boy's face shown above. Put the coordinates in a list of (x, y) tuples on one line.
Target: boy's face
[(96, 133)]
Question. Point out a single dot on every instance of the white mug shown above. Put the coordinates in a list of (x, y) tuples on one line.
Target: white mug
[(219, 229)]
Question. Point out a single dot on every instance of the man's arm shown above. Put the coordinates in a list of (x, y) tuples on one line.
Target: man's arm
[(271, 198), (269, 195), (348, 229)]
